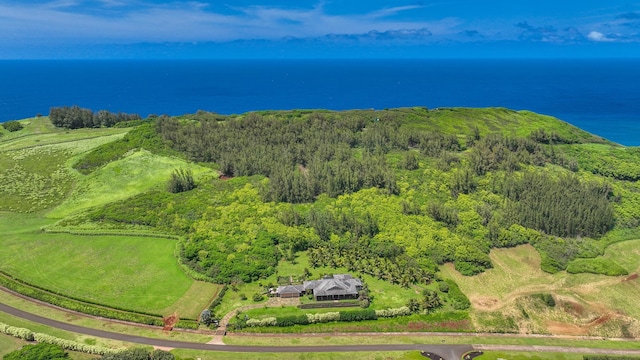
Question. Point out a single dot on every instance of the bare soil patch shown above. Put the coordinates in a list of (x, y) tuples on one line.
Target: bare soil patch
[(170, 321), (486, 303)]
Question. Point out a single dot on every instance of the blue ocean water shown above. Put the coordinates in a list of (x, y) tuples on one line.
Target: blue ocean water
[(600, 96)]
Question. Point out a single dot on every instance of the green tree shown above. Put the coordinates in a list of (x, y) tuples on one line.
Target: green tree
[(181, 180), (12, 126)]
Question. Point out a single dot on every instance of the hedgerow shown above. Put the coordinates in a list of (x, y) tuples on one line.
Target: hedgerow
[(28, 335)]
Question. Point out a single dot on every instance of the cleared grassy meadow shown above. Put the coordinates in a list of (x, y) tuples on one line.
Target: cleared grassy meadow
[(588, 304), (136, 173)]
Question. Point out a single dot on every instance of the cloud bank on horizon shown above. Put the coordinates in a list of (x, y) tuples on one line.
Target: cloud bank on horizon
[(281, 28)]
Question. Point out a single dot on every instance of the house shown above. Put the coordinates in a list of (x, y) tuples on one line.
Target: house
[(336, 287), (290, 291)]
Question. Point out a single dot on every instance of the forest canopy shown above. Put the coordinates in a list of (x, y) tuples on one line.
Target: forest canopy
[(390, 193)]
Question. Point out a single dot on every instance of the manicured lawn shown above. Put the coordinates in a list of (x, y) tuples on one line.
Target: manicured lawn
[(137, 273)]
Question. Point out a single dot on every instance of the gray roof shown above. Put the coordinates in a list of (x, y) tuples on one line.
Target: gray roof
[(342, 284), (290, 289)]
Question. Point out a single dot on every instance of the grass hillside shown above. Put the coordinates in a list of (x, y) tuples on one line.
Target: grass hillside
[(519, 209)]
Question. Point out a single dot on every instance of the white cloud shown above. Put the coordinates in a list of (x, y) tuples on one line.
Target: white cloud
[(69, 21), (598, 36)]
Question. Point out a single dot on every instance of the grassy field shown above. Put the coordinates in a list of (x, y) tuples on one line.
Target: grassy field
[(136, 173), (40, 131), (491, 120), (495, 355), (383, 355), (431, 339), (587, 304), (136, 273)]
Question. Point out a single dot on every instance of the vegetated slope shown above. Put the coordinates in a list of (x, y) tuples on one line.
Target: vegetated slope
[(391, 193), (138, 273)]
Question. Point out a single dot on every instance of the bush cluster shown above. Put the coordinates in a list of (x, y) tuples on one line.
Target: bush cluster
[(38, 352), (323, 317), (12, 126), (459, 300), (391, 313), (358, 315), (270, 321)]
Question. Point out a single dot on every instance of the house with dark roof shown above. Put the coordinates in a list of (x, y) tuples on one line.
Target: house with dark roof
[(290, 291), (336, 287)]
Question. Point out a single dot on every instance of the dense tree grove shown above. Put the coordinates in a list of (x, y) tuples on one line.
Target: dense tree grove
[(75, 117), (564, 207), (304, 157)]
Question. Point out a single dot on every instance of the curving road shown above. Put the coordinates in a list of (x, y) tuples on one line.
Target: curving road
[(448, 352)]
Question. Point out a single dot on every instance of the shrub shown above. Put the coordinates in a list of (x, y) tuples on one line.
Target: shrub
[(443, 287), (270, 321), (12, 126), (38, 352), (391, 313), (546, 298), (292, 320), (257, 297), (358, 315), (459, 300), (323, 317), (596, 266), (181, 181)]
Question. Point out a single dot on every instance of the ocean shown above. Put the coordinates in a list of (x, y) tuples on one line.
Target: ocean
[(600, 96)]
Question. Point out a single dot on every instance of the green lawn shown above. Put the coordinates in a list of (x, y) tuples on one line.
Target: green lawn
[(515, 355), (137, 273), (9, 344), (381, 355)]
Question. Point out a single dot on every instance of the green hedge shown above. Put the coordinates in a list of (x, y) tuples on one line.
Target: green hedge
[(292, 320), (358, 315)]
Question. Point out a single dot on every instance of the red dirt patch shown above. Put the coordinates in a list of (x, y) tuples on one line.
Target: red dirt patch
[(560, 328), (224, 177), (631, 277), (170, 321)]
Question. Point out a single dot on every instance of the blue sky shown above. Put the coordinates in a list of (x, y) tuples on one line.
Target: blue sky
[(306, 28)]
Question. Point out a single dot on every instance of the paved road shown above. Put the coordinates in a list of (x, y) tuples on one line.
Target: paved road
[(448, 352)]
